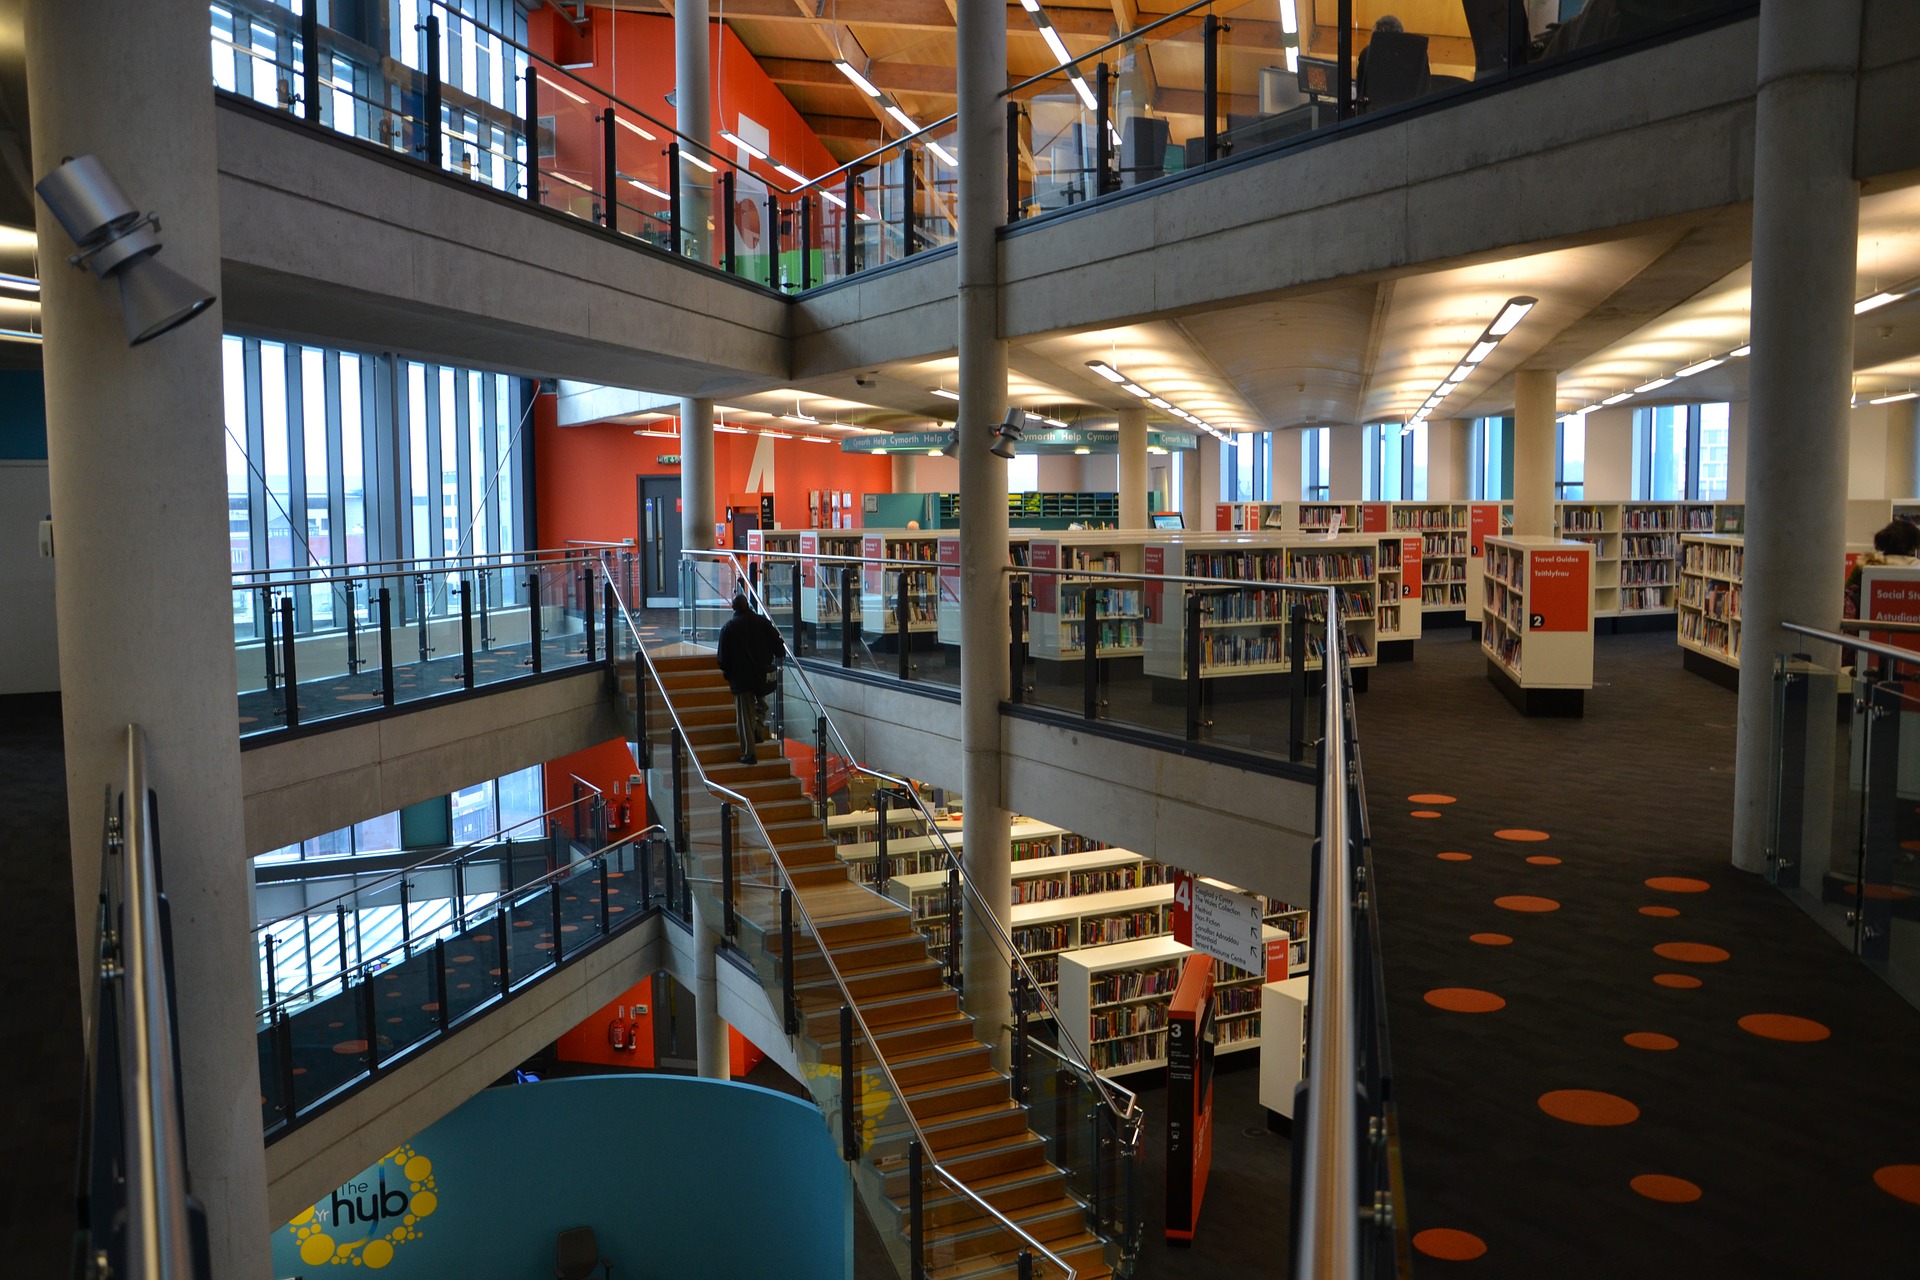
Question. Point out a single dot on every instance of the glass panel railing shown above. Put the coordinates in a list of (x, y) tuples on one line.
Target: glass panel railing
[(1844, 795)]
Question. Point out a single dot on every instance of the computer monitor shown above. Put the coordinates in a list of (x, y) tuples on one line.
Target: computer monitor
[(1319, 77), (1169, 520)]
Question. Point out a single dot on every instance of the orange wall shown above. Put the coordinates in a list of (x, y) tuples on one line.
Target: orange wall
[(592, 1042), (607, 766), (585, 476)]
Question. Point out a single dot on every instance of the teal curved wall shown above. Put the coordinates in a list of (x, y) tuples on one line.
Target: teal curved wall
[(679, 1177)]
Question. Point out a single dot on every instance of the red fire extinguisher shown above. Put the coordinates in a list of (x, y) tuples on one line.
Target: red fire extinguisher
[(626, 805), (618, 1034)]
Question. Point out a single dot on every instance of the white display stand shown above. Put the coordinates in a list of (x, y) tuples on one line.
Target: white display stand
[(1283, 1025), (1537, 622)]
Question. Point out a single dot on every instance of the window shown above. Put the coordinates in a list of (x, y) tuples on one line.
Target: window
[(1023, 473), (1490, 459), (1680, 452), (1246, 467), (1316, 464), (498, 806), (1570, 459), (1396, 462)]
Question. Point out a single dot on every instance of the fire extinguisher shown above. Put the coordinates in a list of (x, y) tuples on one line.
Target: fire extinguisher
[(633, 1034), (626, 805), (619, 1033)]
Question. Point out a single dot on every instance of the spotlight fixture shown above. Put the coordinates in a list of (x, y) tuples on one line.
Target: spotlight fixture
[(115, 241), (1007, 435)]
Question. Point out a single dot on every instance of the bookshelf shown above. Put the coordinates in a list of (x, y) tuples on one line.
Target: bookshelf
[(947, 612), (1058, 615), (1711, 568), (1712, 517), (1244, 633), (1484, 520), (1116, 997), (910, 851), (1058, 902), (880, 586), (820, 601), (776, 576), (1442, 530), (1537, 622), (1397, 608), (1634, 553)]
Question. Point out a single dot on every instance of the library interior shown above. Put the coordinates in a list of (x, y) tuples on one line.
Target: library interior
[(933, 640)]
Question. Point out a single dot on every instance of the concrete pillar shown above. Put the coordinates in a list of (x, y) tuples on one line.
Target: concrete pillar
[(1738, 416), (1806, 213), (1133, 468), (906, 469), (1347, 463), (1286, 465), (696, 475), (1533, 449), (137, 471), (1449, 441), (711, 1053), (1193, 505), (1903, 449), (693, 114), (982, 73), (1609, 469)]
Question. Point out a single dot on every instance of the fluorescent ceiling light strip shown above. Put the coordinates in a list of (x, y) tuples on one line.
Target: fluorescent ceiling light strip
[(1481, 350), (832, 199), (797, 178), (563, 89), (1704, 365), (20, 284), (1616, 399), (818, 439), (945, 155), (1655, 385), (1904, 395), (19, 335), (1054, 422), (653, 191), (1106, 370), (1512, 314), (696, 161), (945, 394), (905, 121), (743, 144), (1135, 389), (1740, 353), (733, 431), (1081, 87), (1158, 403), (1877, 301), (1052, 37), (629, 125), (860, 82)]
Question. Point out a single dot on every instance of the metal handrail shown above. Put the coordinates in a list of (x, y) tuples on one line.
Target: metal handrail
[(1127, 1110), (1327, 1232), (880, 150), (158, 1236), (511, 896), (848, 1002), (1872, 624), (439, 855), (449, 564), (1018, 570), (1874, 647)]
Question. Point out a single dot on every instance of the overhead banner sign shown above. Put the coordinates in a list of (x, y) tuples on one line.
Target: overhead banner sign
[(1219, 922)]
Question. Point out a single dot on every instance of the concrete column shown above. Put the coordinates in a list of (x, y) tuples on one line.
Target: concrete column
[(982, 73), (1347, 462), (1609, 470), (1133, 468), (1533, 450), (693, 114), (1192, 504), (712, 1057), (137, 472), (696, 475), (1738, 416), (1903, 449), (906, 469), (1448, 443), (1206, 463), (1806, 214), (1286, 465)]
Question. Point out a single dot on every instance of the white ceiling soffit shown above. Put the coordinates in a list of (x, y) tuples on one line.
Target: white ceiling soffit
[(1158, 356)]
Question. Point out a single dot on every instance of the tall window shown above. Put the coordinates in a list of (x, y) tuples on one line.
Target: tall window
[(1570, 459), (1316, 463), (489, 808), (312, 481), (1490, 456), (1680, 452), (1246, 468), (1396, 457)]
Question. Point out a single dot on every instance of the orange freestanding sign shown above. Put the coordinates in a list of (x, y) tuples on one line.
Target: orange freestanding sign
[(1189, 1096)]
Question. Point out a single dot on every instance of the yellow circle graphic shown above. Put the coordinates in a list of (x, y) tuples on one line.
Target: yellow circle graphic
[(314, 1228)]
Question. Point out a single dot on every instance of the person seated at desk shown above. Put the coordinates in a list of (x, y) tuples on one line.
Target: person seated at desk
[(1386, 22)]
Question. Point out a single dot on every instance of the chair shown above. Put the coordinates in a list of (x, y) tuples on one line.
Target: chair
[(1500, 34), (577, 1253), (1395, 70)]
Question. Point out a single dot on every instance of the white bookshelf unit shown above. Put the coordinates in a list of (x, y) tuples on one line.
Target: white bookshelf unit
[(1116, 998), (1057, 619), (1397, 610), (820, 602), (1634, 553), (1711, 568), (1244, 633), (1442, 530), (1537, 622), (880, 585)]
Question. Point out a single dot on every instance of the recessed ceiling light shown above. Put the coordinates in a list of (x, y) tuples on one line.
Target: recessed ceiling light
[(1700, 367), (945, 394), (1616, 399), (1655, 385)]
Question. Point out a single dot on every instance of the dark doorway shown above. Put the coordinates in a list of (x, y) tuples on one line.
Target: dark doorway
[(745, 520), (659, 502)]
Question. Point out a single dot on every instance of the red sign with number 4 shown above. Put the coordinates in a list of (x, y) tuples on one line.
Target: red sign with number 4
[(1183, 908)]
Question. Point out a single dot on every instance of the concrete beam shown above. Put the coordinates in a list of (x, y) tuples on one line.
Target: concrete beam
[(327, 1150), (308, 785), (328, 240)]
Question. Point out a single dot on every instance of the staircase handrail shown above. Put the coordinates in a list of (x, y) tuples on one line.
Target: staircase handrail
[(741, 802), (1120, 1100), (541, 881), (318, 574)]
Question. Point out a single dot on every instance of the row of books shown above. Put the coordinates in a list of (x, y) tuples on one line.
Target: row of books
[(1387, 622), (1634, 599), (1131, 984), (1033, 939), (1236, 999), (1248, 566), (1647, 518), (1711, 633), (1505, 565), (1125, 634), (1389, 556), (1505, 603), (1103, 880), (1646, 545), (1583, 519), (1504, 645), (1241, 649), (1107, 601), (1442, 571), (1150, 1047), (1244, 606), (1127, 1020), (1356, 645), (1444, 544), (1646, 573), (1329, 566), (1081, 558), (1236, 1031), (1099, 930), (1724, 562), (1444, 594), (1313, 517), (1427, 517)]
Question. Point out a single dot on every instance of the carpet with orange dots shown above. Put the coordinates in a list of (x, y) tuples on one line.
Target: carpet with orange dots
[(1615, 1054)]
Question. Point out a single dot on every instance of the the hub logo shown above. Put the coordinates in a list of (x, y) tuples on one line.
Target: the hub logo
[(363, 1222)]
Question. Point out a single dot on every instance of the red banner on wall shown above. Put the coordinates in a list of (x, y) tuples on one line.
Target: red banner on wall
[(1558, 591), (1483, 522)]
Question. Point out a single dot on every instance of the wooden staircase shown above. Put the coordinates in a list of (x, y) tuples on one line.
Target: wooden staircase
[(965, 1108)]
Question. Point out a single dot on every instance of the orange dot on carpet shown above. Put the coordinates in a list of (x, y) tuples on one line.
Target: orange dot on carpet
[(1902, 1181), (1678, 884), (1691, 952), (1884, 892), (1650, 1040), (1679, 981), (1429, 797), (1424, 813), (1784, 1026), (1526, 902), (1665, 1188), (1490, 939), (1521, 834), (350, 1046), (1464, 1000), (1543, 860), (1454, 856), (1589, 1107), (1661, 912), (1449, 1245)]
